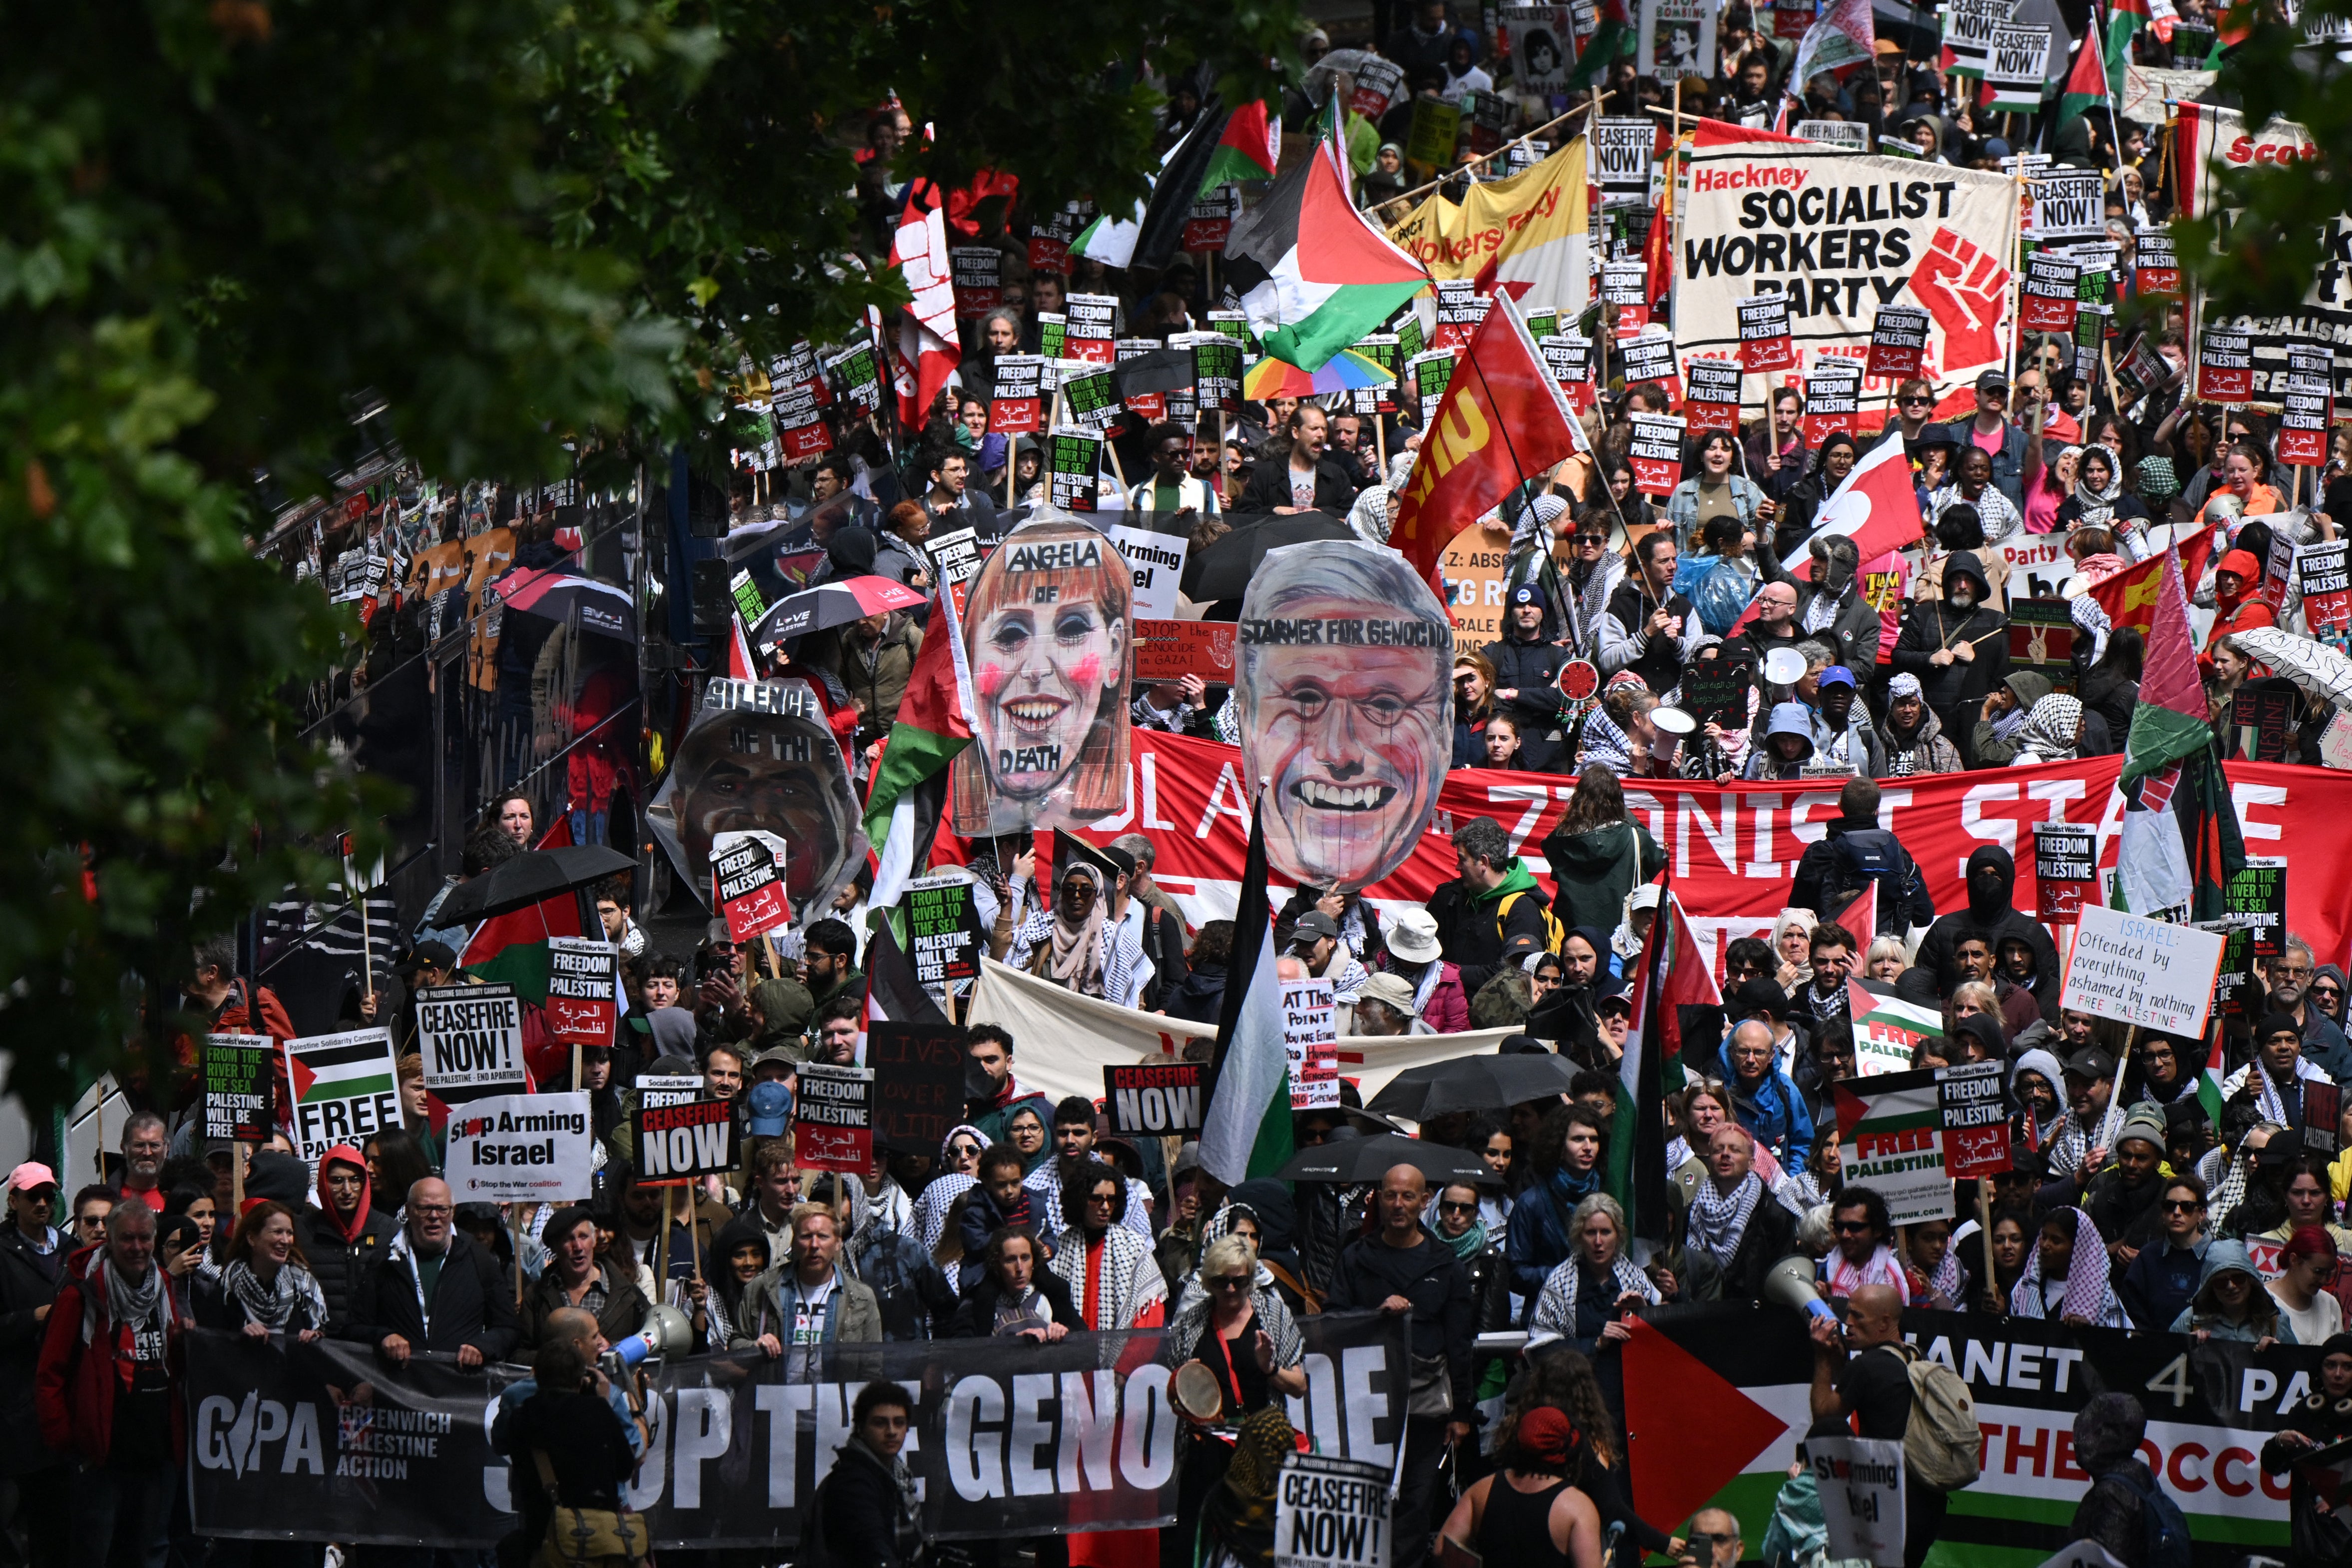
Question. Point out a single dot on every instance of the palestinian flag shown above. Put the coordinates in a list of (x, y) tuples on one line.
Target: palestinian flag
[(1611, 41), (908, 795), (1674, 975), (2209, 1094), (2126, 18), (1247, 148), (511, 948), (1246, 1130), (2180, 842), (1886, 1029), (1312, 273), (2086, 84), (893, 994)]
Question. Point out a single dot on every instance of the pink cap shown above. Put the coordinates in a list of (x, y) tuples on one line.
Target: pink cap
[(31, 1174)]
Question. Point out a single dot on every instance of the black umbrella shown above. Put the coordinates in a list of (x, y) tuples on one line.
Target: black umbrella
[(1355, 1160), (533, 875), (1473, 1083), (1224, 569)]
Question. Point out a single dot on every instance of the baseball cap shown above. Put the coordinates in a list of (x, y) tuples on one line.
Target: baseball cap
[(771, 1104), (426, 955), (2090, 1062), (1835, 675), (1526, 594), (1993, 381), (1613, 1004), (32, 1173), (1314, 922), (774, 1055)]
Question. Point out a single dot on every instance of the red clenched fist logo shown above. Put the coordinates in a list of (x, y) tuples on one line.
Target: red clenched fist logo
[(1965, 287)]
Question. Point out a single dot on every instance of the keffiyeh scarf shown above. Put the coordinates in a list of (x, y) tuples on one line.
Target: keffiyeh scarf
[(1718, 1220), (273, 1305), (2088, 1293)]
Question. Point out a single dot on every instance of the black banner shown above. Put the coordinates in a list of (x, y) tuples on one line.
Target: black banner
[(919, 1073), (325, 1443), (1154, 1102)]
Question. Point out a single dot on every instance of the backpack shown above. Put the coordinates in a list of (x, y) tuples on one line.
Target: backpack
[(1554, 934), (2167, 1526), (1942, 1443), (1864, 857)]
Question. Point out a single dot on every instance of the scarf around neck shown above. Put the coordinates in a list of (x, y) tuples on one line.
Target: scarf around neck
[(1074, 960), (273, 1305), (1468, 1244), (1718, 1220)]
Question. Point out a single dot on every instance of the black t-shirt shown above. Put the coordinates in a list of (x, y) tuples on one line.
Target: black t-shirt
[(1876, 1386), (142, 1411)]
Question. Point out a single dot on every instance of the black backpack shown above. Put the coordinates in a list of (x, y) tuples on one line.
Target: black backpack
[(1861, 858)]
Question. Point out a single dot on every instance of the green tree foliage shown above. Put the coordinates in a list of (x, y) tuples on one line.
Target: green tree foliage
[(2263, 260), (519, 222)]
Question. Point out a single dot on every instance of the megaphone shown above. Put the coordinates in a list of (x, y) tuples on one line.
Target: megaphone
[(1790, 1283), (667, 1332)]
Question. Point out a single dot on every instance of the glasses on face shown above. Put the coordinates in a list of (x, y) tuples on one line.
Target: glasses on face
[(1080, 890), (2182, 1206), (1918, 403), (430, 1211), (1228, 1282), (1851, 1227), (1457, 1208)]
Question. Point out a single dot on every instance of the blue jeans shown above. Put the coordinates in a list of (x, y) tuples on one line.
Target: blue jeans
[(122, 1515)]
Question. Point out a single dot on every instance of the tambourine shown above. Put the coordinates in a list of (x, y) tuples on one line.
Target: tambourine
[(1674, 721), (1197, 1394)]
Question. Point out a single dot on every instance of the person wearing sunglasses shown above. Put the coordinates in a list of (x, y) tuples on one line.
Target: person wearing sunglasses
[(1915, 404), (2162, 1278), (1859, 1227), (1079, 947), (2326, 993)]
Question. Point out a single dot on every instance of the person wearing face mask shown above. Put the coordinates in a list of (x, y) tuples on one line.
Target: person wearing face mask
[(1832, 607), (1990, 914), (1526, 676), (1957, 645)]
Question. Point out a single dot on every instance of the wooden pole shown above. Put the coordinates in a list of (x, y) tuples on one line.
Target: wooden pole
[(1984, 1230), (239, 1152), (514, 1229), (575, 1067), (661, 1246)]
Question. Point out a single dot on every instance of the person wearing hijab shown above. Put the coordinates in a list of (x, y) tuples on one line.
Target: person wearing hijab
[(1075, 946), (2050, 733), (2065, 1280), (958, 1168)]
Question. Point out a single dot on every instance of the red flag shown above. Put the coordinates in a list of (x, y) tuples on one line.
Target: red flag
[(2130, 596), (1502, 419)]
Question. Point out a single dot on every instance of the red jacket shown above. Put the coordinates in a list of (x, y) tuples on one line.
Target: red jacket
[(74, 1389)]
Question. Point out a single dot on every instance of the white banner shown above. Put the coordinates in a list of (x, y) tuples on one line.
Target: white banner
[(1157, 559), (2143, 972), (522, 1149), (1062, 1041), (1842, 234)]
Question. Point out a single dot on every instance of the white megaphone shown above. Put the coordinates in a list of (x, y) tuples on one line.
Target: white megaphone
[(666, 1332), (1790, 1283)]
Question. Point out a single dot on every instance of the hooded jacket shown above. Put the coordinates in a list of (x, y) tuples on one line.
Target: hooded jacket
[(2028, 687), (1849, 853), (1991, 915), (1473, 927), (1923, 750), (2245, 609), (344, 1254), (2203, 1312), (1934, 625), (1598, 869), (1772, 1110)]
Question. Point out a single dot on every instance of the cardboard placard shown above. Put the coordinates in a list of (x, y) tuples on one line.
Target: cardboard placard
[(2322, 1108), (1860, 1481), (1676, 40), (749, 870), (1380, 348), (2069, 203), (1090, 399), (1052, 335), (240, 1087), (682, 1142), (2140, 370), (1310, 1032), (2047, 299), (471, 1039), (1331, 1513), (833, 1118), (1711, 393), (1072, 468), (2156, 269), (1792, 20), (1569, 358), (2041, 635), (1460, 309), (1216, 372), (345, 1087), (2013, 67), (1716, 684), (1850, 134), (2065, 867), (1017, 405), (2144, 972), (1090, 327), (1895, 1144), (1898, 341), (1651, 357), (979, 273), (2254, 902), (1430, 374), (1049, 244), (943, 928), (1435, 131), (1171, 650), (1833, 397), (1210, 221), (522, 1149), (2233, 988), (581, 1004), (1154, 545), (2264, 715), (2306, 408), (2323, 574), (2225, 365), (1656, 454), (1764, 343), (1971, 1100), (1888, 1030), (857, 375), (1968, 27), (1152, 1100), (919, 1082), (1377, 80), (1621, 150)]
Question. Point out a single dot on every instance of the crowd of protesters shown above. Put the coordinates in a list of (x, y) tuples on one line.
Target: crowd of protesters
[(2131, 1205)]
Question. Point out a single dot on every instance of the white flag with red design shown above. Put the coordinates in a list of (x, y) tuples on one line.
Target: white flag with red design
[(1878, 507)]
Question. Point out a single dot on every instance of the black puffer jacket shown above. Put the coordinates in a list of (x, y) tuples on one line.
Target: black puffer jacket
[(344, 1268), (28, 1282)]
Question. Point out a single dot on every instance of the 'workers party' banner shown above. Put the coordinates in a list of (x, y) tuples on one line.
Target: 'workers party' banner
[(1842, 235), (1735, 846), (326, 1442), (2209, 1409)]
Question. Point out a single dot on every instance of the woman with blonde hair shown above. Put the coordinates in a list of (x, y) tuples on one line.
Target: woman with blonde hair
[(1886, 961)]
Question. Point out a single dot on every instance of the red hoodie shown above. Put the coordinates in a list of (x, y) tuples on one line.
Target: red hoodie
[(2245, 609), (348, 1155)]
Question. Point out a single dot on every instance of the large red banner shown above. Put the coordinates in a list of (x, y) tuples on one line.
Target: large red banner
[(1735, 846)]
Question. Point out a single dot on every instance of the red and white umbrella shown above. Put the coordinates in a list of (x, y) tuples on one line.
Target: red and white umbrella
[(559, 593), (832, 604)]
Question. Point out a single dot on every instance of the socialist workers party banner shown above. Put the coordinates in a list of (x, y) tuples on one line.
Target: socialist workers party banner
[(1525, 235), (2209, 1409), (1734, 847), (2211, 141), (1841, 235), (327, 1442)]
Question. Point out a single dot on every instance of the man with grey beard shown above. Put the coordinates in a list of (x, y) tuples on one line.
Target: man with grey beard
[(1957, 646)]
